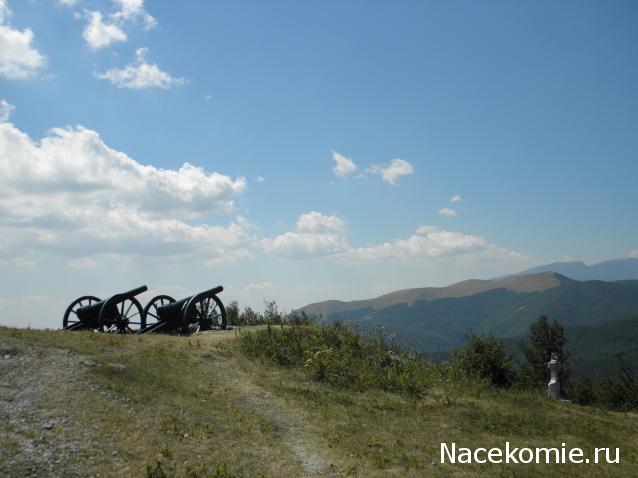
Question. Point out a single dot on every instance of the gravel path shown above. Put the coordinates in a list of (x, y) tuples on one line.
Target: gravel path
[(38, 437)]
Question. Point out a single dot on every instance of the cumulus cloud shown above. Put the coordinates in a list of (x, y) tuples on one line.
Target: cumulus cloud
[(392, 171), (101, 31), (315, 234), (131, 11), (344, 166), (447, 212), (140, 74), (432, 242), (315, 222), (456, 198), (321, 235), (634, 253), (18, 58), (68, 3), (5, 110), (71, 195), (99, 34)]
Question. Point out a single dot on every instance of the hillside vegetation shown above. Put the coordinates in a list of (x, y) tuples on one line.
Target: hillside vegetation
[(596, 349), (269, 401)]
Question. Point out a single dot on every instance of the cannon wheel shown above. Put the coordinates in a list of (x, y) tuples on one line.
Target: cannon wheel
[(207, 311), (129, 316), (151, 315), (71, 314)]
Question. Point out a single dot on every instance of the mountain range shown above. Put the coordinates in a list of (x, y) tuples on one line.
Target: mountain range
[(434, 319), (612, 270)]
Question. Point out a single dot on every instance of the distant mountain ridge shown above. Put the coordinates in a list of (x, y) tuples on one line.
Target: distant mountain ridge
[(431, 319), (519, 283), (611, 270)]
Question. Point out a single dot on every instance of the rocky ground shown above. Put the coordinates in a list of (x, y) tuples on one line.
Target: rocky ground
[(36, 434)]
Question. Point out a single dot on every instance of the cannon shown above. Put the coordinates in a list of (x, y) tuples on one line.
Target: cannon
[(203, 311), (121, 313)]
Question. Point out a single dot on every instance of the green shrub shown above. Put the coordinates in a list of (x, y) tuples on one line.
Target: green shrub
[(342, 357), (620, 392), (484, 357)]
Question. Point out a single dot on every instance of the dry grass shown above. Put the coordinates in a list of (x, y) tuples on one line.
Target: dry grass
[(199, 408)]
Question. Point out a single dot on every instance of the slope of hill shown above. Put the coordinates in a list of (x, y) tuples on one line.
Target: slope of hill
[(438, 319), (86, 404), (612, 270)]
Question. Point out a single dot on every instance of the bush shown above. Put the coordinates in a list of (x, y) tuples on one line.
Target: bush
[(620, 392), (272, 315), (232, 313), (484, 357), (341, 357)]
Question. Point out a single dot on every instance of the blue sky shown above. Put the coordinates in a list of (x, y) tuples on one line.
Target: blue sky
[(528, 111)]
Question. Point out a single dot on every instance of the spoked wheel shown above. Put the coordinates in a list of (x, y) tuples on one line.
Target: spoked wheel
[(205, 313), (71, 313), (129, 317), (151, 315)]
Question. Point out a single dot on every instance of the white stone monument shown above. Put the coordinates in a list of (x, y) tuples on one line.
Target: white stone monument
[(553, 387)]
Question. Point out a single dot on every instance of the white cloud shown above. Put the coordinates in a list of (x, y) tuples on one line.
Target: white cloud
[(259, 286), (316, 234), (634, 253), (447, 212), (5, 110), (68, 3), (18, 58), (259, 179), (140, 74), (432, 242), (71, 195), (316, 222), (344, 166), (99, 34), (456, 198), (133, 11), (390, 172)]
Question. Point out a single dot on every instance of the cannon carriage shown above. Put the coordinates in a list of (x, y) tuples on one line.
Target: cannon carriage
[(120, 313), (203, 311), (123, 313)]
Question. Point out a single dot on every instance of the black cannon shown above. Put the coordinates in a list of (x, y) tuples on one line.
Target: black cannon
[(120, 313), (203, 311)]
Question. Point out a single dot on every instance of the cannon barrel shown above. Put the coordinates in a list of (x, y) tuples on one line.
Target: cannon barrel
[(214, 290), (132, 292)]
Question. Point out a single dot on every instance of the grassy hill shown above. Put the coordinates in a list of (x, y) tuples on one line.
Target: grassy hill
[(83, 404), (504, 308)]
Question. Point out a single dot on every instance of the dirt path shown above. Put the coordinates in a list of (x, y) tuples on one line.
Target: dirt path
[(310, 451), (34, 433), (41, 388)]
